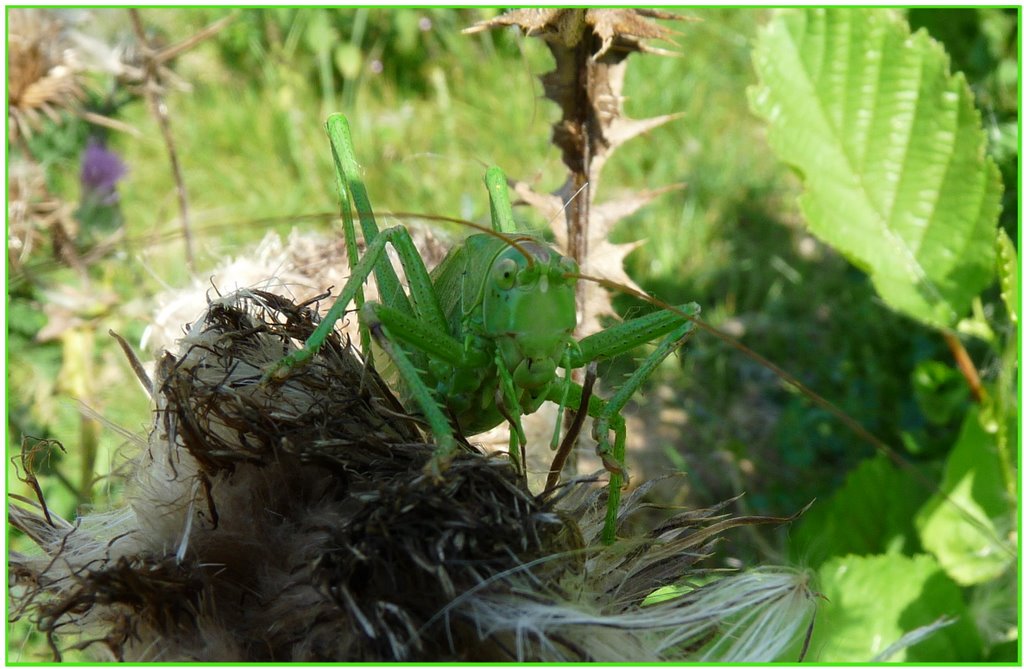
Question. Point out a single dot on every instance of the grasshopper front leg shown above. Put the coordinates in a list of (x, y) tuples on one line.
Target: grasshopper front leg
[(439, 425), (426, 301), (674, 328), (391, 329), (424, 330)]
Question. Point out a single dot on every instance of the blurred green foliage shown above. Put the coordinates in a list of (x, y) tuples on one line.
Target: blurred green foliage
[(430, 107), (337, 48)]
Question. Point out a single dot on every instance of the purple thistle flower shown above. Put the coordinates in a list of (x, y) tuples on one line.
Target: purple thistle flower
[(101, 170)]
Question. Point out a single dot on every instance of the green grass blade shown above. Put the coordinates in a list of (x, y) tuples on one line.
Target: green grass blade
[(891, 152)]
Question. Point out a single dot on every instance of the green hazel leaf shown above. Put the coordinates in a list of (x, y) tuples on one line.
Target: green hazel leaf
[(873, 512), (1007, 266), (967, 523), (871, 602), (890, 149)]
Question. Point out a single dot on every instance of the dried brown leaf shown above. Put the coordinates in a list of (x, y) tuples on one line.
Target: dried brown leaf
[(567, 25)]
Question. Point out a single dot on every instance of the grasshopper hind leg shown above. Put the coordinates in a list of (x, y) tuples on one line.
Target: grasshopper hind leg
[(444, 435)]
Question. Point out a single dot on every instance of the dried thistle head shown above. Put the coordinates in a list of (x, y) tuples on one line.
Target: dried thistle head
[(43, 77), (293, 522), (32, 210)]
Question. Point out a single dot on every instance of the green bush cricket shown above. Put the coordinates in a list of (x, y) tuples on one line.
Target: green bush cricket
[(480, 339)]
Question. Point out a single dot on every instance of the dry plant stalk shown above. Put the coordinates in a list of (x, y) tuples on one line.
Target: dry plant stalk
[(152, 74), (590, 47), (32, 210), (292, 521)]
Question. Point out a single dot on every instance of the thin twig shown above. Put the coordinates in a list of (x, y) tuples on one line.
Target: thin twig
[(189, 42), (112, 123), (966, 365), (571, 434), (151, 87)]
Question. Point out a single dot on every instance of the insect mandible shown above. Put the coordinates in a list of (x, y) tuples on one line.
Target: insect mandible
[(481, 338)]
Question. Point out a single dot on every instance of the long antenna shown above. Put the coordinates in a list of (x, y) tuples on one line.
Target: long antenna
[(843, 417)]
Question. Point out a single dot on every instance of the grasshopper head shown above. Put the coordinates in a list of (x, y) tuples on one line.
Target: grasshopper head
[(529, 308)]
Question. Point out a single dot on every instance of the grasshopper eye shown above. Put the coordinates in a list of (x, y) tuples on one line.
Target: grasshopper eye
[(505, 273), (568, 266)]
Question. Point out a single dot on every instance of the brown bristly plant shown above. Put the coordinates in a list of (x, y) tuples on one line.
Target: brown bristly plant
[(293, 522), (43, 78)]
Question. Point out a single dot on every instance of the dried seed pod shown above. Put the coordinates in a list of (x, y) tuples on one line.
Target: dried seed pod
[(42, 75)]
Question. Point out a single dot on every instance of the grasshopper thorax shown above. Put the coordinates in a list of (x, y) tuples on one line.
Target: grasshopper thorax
[(529, 309)]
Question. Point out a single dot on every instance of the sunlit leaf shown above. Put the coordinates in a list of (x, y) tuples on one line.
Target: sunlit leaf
[(891, 152), (873, 512), (873, 601), (964, 523)]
